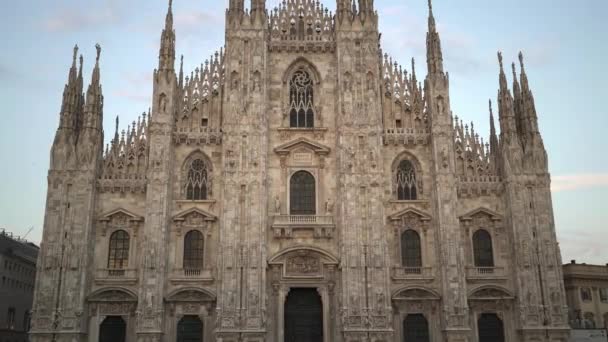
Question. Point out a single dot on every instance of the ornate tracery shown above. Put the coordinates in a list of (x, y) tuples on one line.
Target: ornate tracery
[(301, 100), (405, 181), (197, 184)]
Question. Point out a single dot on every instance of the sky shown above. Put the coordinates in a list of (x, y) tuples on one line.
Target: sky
[(564, 43)]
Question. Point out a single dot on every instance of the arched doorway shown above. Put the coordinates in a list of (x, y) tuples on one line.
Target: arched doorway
[(113, 329), (415, 329), (190, 329), (303, 316), (490, 328)]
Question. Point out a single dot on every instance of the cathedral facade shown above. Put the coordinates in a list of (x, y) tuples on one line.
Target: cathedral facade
[(300, 186)]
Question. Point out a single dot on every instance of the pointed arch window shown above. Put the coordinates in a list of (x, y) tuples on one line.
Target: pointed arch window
[(118, 257), (197, 182), (407, 188), (301, 100), (194, 244), (482, 249), (411, 252), (302, 194)]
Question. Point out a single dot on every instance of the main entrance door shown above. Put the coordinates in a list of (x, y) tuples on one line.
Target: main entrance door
[(190, 329), (303, 316), (113, 329), (490, 328)]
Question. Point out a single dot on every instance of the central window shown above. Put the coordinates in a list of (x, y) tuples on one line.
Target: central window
[(301, 100), (302, 194), (196, 184)]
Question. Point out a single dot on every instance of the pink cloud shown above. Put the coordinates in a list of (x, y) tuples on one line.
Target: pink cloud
[(579, 181), (71, 19)]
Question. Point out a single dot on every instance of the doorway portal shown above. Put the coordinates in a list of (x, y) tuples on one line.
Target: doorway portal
[(190, 329), (304, 316), (113, 329), (415, 329), (490, 328)]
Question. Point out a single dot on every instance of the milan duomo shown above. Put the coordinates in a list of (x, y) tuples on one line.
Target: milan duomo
[(301, 186)]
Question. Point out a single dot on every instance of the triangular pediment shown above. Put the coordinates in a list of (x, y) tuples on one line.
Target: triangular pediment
[(121, 213), (303, 142), (422, 216), (194, 212), (481, 212)]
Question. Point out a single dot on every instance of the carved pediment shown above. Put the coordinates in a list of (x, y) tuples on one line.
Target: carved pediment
[(112, 295), (120, 217), (302, 143), (416, 294), (190, 295), (490, 293), (194, 217), (481, 214), (410, 214)]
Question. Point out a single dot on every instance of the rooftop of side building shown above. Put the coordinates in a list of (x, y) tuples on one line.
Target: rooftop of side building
[(574, 270), (16, 246)]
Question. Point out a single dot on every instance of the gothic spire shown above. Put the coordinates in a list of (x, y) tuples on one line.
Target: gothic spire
[(517, 102), (505, 104), (528, 106), (181, 72), (167, 42), (93, 114), (434, 55), (493, 135), (72, 95)]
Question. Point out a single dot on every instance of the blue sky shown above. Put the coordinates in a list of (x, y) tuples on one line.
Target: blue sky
[(564, 43)]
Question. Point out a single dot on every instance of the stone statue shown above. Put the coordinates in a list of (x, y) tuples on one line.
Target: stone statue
[(329, 206), (277, 205)]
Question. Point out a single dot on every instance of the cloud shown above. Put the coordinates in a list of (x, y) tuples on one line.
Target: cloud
[(70, 19), (579, 181), (133, 95), (583, 245)]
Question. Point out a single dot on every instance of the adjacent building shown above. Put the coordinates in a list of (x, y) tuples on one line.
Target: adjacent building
[(587, 295), (300, 185), (17, 274)]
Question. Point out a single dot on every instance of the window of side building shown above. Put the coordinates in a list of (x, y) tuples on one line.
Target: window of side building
[(604, 295), (586, 295)]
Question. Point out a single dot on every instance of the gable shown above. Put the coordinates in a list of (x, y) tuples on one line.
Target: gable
[(194, 216), (302, 143), (121, 216), (410, 213), (481, 213)]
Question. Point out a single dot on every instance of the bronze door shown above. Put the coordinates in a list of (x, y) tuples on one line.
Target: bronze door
[(304, 316), (190, 329), (490, 328), (113, 329), (415, 329)]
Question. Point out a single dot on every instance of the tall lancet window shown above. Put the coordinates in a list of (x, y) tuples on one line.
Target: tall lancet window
[(301, 100), (482, 249), (302, 194), (118, 256), (193, 250), (198, 180), (407, 189)]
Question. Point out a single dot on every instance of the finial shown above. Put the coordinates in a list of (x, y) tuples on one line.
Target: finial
[(514, 71), (491, 111), (117, 122), (81, 65), (500, 60), (98, 47), (521, 61), (75, 55), (170, 5), (431, 6)]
